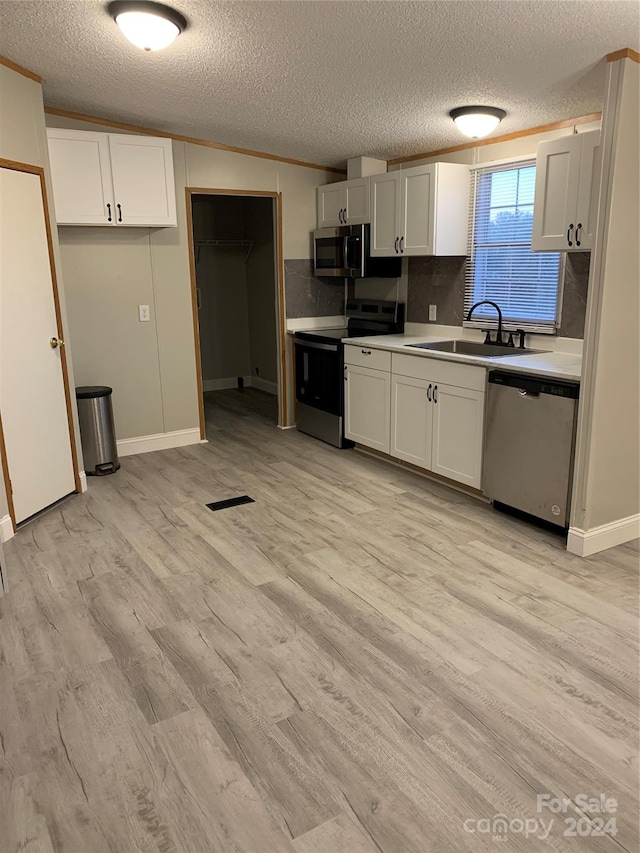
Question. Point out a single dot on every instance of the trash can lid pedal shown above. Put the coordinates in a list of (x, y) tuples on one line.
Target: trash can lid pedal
[(88, 392)]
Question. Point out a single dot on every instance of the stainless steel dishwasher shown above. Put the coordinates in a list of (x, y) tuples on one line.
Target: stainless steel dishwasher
[(529, 443)]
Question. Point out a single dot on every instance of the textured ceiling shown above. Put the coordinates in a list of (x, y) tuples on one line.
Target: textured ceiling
[(323, 81)]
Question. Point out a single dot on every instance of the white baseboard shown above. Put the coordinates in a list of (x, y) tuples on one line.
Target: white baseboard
[(232, 382), (265, 385), (224, 384), (83, 482), (584, 543), (6, 528), (161, 441)]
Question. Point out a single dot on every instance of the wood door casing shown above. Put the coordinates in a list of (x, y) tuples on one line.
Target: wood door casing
[(48, 261)]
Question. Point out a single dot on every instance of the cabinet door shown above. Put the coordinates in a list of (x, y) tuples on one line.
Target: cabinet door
[(556, 194), (367, 403), (588, 189), (458, 417), (330, 200), (417, 208), (357, 201), (81, 174), (411, 420), (385, 209), (143, 186)]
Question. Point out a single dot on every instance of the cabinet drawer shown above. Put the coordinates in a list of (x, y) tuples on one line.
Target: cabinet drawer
[(437, 370), (364, 357)]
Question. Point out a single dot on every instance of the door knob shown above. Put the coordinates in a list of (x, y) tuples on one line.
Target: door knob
[(56, 342)]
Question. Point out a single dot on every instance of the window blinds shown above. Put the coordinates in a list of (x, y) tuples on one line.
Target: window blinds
[(501, 266)]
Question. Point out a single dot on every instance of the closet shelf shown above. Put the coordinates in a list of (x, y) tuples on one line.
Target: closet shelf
[(242, 244)]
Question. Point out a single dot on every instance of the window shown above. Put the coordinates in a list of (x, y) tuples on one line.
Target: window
[(501, 265)]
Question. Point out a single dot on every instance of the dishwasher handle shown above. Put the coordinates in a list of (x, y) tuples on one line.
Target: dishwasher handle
[(534, 385)]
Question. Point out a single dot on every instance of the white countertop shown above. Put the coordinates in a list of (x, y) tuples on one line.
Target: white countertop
[(556, 365)]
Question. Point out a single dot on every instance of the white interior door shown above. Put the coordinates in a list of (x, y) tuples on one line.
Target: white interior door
[(32, 394), (143, 187)]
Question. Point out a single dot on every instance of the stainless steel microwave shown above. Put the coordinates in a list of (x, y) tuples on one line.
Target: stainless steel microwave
[(344, 251)]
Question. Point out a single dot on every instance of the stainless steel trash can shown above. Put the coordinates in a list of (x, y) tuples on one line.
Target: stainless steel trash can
[(99, 449)]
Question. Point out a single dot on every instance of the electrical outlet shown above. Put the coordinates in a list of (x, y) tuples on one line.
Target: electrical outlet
[(144, 314), (433, 309)]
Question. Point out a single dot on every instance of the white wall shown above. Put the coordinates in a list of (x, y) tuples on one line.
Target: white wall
[(158, 266), (608, 457)]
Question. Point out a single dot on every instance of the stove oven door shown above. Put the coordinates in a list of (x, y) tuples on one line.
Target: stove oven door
[(319, 375)]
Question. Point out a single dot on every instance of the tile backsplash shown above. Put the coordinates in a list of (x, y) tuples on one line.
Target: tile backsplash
[(309, 296), (440, 282)]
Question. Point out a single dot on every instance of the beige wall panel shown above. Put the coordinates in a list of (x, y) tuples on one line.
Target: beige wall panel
[(173, 316), (215, 169), (612, 484), (107, 275), (298, 188)]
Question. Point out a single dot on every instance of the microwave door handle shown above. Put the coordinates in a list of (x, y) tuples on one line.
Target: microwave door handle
[(345, 252)]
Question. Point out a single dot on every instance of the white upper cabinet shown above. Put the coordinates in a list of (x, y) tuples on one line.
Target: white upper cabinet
[(81, 174), (356, 201), (566, 194), (343, 203), (385, 200), (425, 213), (330, 204), (112, 179)]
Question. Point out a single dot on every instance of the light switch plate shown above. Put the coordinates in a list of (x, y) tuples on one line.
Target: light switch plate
[(144, 314), (432, 313)]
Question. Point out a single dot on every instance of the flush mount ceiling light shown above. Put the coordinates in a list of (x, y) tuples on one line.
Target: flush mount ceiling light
[(477, 121), (150, 26)]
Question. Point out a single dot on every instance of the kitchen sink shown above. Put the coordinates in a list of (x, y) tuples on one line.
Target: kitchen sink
[(473, 348)]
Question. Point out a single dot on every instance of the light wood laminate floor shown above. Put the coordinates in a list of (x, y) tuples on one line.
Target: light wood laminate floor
[(361, 661)]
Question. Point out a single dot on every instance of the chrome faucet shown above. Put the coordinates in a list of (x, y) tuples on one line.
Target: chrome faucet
[(498, 341)]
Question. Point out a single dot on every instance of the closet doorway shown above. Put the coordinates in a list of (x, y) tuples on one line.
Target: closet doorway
[(238, 306)]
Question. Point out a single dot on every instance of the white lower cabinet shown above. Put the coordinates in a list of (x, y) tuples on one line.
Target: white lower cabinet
[(411, 420), (367, 395), (456, 450), (421, 410)]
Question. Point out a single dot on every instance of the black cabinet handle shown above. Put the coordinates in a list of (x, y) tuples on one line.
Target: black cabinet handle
[(119, 213), (435, 393), (578, 227), (340, 215), (401, 246), (395, 245), (569, 230), (365, 351), (429, 392), (109, 212)]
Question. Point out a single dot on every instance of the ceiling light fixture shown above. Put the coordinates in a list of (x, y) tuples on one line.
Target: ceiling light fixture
[(477, 121), (148, 25)]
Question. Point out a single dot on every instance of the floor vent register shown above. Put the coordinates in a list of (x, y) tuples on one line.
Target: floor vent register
[(243, 499)]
